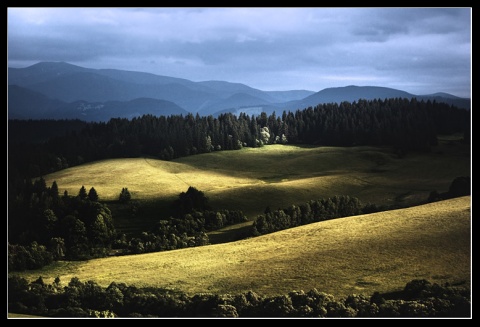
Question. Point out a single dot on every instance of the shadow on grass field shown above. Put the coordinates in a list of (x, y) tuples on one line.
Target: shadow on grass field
[(273, 176)]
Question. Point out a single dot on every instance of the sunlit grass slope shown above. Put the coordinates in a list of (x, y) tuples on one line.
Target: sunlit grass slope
[(361, 254), (276, 175)]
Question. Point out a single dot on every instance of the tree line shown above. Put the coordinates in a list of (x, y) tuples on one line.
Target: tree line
[(192, 218), (339, 206), (419, 298), (406, 125), (310, 212)]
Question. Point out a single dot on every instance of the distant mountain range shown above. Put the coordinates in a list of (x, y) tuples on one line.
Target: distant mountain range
[(58, 90)]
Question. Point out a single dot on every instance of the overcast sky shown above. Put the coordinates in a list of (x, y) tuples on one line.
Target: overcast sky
[(418, 50)]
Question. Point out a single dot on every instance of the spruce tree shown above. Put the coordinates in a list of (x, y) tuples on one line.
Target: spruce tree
[(92, 195), (82, 194)]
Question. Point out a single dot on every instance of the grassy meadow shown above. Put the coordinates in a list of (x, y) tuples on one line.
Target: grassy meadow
[(361, 254), (275, 175)]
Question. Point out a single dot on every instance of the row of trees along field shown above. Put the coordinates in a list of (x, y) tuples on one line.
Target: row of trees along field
[(336, 207), (407, 125), (419, 298), (310, 212)]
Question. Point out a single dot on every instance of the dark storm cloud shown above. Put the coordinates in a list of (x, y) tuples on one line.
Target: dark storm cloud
[(419, 50)]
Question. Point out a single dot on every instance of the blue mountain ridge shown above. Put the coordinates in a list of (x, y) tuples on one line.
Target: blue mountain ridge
[(58, 90)]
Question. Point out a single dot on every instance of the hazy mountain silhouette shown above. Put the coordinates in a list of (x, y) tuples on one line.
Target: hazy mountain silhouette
[(285, 96), (234, 102), (95, 87), (354, 93), (103, 111), (27, 104), (41, 72), (46, 89), (226, 90)]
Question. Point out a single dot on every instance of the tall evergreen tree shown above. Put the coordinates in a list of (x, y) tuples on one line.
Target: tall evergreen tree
[(124, 195), (82, 194), (54, 190), (92, 195)]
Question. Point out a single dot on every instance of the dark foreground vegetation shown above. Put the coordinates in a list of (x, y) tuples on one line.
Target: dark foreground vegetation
[(419, 298), (51, 227)]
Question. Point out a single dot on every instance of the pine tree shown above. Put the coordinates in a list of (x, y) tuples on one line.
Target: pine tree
[(92, 195), (54, 190), (124, 195), (82, 194)]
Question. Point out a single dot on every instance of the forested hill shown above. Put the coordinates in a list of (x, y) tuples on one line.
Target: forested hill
[(406, 125)]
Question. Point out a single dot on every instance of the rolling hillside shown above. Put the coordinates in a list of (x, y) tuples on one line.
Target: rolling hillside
[(361, 254), (277, 175)]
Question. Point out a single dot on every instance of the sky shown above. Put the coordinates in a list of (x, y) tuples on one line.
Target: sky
[(418, 50)]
